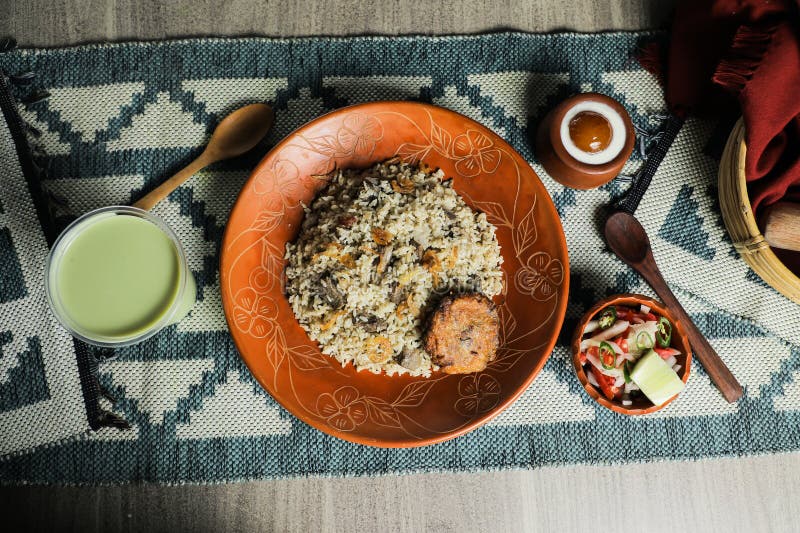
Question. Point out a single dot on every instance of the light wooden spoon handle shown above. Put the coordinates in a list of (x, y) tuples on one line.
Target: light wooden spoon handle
[(162, 191)]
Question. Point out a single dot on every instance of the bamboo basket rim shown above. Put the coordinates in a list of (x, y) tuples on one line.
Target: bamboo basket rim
[(737, 213)]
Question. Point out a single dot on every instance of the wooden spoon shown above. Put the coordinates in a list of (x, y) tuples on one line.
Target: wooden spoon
[(236, 134), (626, 238)]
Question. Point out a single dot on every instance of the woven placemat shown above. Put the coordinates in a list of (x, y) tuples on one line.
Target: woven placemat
[(121, 118)]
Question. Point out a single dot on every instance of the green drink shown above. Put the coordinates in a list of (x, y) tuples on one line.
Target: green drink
[(118, 275)]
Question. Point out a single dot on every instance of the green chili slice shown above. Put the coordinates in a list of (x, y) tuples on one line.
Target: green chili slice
[(607, 318), (664, 332), (644, 341), (606, 352), (626, 371)]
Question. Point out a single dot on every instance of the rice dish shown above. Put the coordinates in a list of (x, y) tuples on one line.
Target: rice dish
[(378, 248)]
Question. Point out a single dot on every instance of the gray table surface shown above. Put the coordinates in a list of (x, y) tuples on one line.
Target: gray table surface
[(736, 494)]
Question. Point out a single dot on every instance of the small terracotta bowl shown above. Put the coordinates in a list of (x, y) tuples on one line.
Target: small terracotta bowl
[(641, 405), (564, 168)]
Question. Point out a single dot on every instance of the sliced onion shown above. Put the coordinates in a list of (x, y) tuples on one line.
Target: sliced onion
[(618, 328), (613, 372), (619, 382), (591, 326), (627, 403), (589, 343), (676, 368), (671, 361), (644, 309), (591, 378), (615, 346), (631, 387), (637, 320), (594, 360)]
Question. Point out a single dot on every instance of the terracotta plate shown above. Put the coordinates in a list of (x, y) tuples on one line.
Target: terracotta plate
[(375, 409)]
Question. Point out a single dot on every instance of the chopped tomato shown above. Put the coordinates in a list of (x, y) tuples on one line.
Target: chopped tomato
[(622, 342), (606, 385), (593, 350), (582, 358), (666, 353), (624, 313)]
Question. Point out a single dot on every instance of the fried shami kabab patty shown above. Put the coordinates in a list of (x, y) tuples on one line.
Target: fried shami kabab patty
[(463, 334)]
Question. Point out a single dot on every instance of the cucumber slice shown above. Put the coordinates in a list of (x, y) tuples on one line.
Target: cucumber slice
[(656, 378)]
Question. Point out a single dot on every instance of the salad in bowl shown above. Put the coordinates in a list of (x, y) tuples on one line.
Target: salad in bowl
[(631, 355)]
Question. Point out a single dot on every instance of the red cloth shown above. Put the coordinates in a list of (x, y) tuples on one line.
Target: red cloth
[(748, 50)]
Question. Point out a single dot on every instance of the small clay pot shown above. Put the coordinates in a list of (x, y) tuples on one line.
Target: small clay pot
[(561, 165)]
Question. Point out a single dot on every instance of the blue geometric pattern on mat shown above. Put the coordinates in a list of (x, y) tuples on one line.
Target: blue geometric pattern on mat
[(25, 383), (12, 283), (685, 226), (755, 278), (162, 447)]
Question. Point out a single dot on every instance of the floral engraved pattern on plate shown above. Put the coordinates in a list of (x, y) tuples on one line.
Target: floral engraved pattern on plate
[(254, 313), (346, 408), (359, 134), (475, 153), (280, 186), (478, 393), (356, 139), (540, 277), (343, 409)]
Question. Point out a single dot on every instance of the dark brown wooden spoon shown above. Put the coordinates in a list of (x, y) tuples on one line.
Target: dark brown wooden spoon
[(626, 238)]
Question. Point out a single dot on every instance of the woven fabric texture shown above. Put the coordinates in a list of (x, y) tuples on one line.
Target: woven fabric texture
[(40, 395), (121, 118)]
